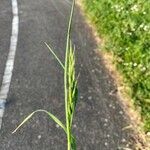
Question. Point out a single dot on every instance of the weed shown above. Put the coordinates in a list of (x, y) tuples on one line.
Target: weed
[(70, 89)]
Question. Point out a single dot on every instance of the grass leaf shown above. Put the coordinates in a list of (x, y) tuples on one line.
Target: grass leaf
[(55, 119), (23, 122), (59, 61)]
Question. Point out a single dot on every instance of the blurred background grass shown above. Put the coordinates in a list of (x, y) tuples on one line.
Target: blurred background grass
[(125, 27)]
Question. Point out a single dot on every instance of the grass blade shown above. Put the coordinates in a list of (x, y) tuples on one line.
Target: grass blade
[(55, 119), (59, 61), (23, 122)]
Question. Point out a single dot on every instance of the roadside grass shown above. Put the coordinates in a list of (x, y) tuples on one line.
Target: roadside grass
[(125, 27), (70, 89)]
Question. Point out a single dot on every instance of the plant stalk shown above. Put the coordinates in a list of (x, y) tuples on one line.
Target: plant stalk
[(68, 125)]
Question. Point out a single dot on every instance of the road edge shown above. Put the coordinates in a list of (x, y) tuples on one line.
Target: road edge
[(140, 138)]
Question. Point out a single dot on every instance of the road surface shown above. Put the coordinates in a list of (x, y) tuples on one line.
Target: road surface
[(37, 82)]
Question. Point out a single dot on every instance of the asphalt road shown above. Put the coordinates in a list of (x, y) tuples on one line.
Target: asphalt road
[(37, 82)]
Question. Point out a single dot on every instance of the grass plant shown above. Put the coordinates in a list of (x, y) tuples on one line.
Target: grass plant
[(70, 89)]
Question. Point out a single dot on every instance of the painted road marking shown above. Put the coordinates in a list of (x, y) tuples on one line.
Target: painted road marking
[(10, 60)]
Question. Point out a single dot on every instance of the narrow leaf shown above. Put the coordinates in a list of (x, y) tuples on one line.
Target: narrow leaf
[(55, 119), (59, 61), (23, 122)]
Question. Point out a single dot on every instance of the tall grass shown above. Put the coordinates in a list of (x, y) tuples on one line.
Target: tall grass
[(70, 89)]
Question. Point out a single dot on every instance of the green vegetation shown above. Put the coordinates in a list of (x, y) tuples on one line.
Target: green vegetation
[(125, 27), (70, 90)]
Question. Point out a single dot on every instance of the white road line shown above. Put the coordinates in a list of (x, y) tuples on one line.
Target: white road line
[(10, 60)]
